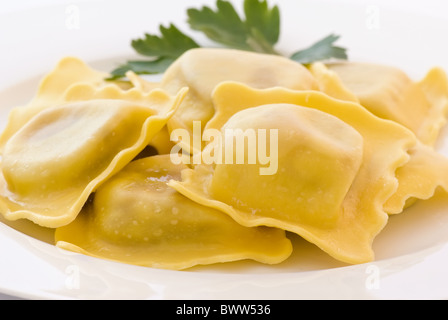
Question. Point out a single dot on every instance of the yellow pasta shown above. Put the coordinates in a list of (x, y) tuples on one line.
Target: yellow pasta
[(426, 169), (139, 95), (69, 71), (389, 93), (136, 218), (326, 152), (57, 159), (355, 220), (201, 70), (419, 178)]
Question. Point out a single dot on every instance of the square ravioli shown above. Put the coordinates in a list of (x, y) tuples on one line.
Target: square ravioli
[(57, 159), (136, 218), (358, 216)]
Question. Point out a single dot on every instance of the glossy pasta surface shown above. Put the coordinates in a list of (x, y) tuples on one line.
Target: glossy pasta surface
[(224, 159)]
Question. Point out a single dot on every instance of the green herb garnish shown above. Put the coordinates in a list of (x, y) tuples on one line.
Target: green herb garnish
[(322, 50), (163, 50), (258, 31)]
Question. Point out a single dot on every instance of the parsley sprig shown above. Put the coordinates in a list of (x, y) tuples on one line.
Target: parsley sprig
[(257, 31), (163, 50)]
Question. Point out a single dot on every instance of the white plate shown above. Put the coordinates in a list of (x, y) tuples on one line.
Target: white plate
[(412, 252)]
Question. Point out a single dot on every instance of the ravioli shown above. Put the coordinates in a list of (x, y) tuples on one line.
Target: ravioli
[(330, 83), (345, 231), (139, 95), (201, 70), (419, 178), (69, 71), (141, 84), (425, 171), (328, 153), (136, 218), (57, 159), (390, 94)]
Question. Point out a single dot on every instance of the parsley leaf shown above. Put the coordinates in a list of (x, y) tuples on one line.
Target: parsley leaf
[(142, 67), (259, 32), (259, 18), (171, 44), (163, 50), (223, 25), (321, 50)]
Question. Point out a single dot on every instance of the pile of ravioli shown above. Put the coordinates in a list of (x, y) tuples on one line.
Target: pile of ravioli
[(91, 158)]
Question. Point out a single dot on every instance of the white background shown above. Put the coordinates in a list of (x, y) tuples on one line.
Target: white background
[(101, 31)]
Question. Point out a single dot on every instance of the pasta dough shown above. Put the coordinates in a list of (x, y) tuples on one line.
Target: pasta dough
[(359, 218), (86, 92), (353, 144), (54, 162), (425, 171), (419, 178), (69, 71), (136, 218), (330, 83), (389, 93), (201, 70)]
